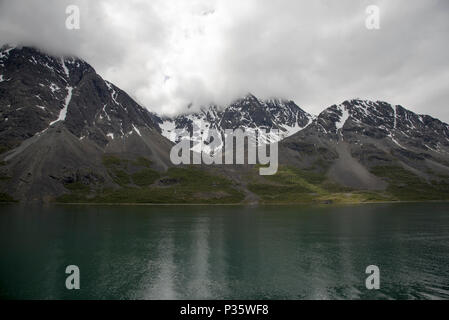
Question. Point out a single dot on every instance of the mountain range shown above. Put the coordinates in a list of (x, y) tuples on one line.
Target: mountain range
[(247, 113), (67, 135)]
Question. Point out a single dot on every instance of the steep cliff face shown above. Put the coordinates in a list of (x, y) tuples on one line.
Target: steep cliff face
[(39, 90), (59, 118)]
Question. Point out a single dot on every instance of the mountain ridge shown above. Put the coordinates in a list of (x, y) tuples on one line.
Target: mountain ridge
[(247, 113), (70, 136)]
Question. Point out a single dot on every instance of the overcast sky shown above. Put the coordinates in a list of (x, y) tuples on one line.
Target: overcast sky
[(170, 53)]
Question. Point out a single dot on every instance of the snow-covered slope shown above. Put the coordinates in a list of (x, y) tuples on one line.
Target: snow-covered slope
[(248, 113)]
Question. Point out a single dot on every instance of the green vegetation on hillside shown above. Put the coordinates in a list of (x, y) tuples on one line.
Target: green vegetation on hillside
[(141, 184), (144, 178), (404, 185), (3, 149), (130, 173), (178, 185), (4, 177), (137, 182), (4, 197), (293, 185)]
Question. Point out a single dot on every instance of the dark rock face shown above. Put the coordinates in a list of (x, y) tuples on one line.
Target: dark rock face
[(58, 118), (381, 120), (36, 87)]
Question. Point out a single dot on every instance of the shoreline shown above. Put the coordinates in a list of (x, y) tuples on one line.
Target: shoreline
[(310, 204)]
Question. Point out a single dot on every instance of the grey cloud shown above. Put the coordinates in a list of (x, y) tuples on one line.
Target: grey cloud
[(170, 53)]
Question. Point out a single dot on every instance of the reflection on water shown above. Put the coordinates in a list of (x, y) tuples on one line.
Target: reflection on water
[(225, 252), (161, 272), (200, 283)]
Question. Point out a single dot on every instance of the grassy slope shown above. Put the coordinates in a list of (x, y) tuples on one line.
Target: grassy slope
[(406, 186), (292, 185), (136, 182), (140, 184)]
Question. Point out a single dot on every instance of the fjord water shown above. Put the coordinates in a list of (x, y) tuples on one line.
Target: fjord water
[(225, 252)]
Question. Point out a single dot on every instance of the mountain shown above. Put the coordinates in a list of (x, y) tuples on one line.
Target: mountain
[(376, 146), (59, 118), (39, 90), (67, 135), (247, 113), (376, 133)]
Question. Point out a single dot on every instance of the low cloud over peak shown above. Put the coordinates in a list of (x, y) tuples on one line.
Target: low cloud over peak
[(172, 54)]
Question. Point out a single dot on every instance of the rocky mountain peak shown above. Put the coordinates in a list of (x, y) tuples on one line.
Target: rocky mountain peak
[(245, 113), (16, 60), (355, 120), (39, 90)]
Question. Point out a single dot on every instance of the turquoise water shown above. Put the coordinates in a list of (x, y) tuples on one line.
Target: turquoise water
[(225, 252)]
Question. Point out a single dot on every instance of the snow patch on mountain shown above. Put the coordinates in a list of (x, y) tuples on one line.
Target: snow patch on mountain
[(343, 118), (296, 128), (395, 115), (105, 112), (63, 113), (248, 114), (113, 93), (66, 70), (4, 53), (136, 130), (2, 79), (396, 142), (53, 87), (167, 128)]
